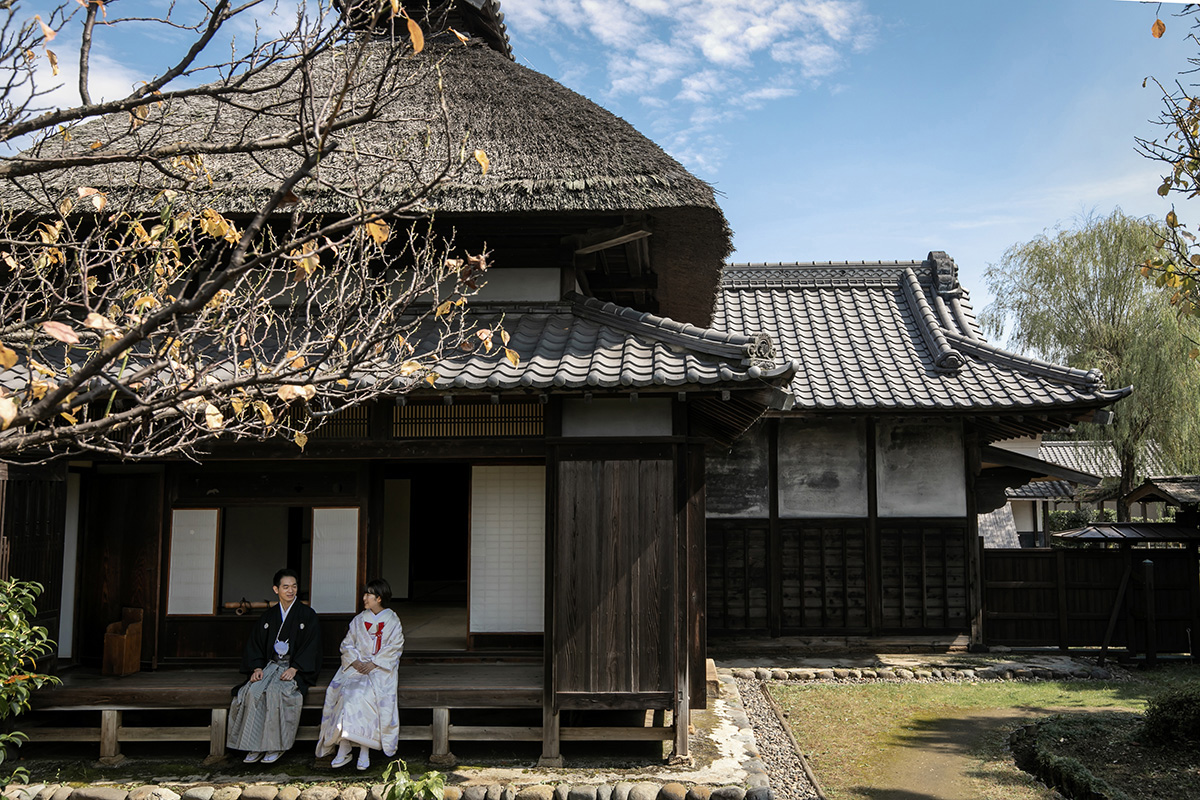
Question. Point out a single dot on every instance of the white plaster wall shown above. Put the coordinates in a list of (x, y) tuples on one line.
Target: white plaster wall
[(736, 481), (921, 470), (193, 561), (517, 284), (822, 469), (508, 537), (1024, 514), (617, 417)]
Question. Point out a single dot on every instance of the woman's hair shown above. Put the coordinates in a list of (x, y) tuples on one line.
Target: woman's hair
[(380, 588)]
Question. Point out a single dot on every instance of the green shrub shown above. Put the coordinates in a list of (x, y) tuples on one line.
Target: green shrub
[(1070, 520), (21, 644), (1175, 713)]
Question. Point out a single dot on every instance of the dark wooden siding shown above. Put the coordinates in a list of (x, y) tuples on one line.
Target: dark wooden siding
[(34, 519), (923, 581), (614, 592), (1065, 597), (825, 567)]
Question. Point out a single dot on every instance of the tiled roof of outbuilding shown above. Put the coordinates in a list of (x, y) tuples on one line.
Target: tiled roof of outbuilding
[(885, 336), (1042, 490)]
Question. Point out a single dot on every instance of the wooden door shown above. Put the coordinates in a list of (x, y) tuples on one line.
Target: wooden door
[(614, 580)]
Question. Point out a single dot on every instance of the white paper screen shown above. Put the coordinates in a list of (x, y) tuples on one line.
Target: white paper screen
[(508, 538), (334, 561), (193, 572)]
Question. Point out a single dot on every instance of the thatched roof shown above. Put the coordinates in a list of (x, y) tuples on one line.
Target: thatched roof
[(550, 149)]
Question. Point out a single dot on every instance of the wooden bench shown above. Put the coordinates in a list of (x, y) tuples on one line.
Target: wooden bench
[(439, 687)]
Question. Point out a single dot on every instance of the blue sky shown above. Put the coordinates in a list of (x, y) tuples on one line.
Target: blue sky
[(852, 129), (878, 129)]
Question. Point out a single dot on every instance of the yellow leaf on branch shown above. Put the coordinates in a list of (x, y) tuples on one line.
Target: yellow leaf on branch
[(47, 32), (482, 158), (300, 439), (99, 322), (414, 33), (378, 230), (213, 417), (8, 357), (61, 331), (264, 411), (512, 356), (1158, 29), (8, 412), (50, 54)]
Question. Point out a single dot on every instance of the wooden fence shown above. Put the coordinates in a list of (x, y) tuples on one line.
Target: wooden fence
[(1064, 597)]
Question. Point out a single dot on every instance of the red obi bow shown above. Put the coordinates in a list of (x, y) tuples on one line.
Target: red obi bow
[(378, 634)]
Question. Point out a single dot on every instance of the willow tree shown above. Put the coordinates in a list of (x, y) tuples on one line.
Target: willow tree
[(1075, 297)]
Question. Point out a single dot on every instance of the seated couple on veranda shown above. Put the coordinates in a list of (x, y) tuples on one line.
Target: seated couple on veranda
[(283, 658)]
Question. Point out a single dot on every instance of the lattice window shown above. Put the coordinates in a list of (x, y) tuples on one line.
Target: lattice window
[(349, 423), (467, 420)]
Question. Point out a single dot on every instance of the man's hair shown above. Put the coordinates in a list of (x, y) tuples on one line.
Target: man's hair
[(380, 588), (285, 573)]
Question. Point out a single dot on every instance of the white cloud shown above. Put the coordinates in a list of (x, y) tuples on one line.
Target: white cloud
[(719, 58)]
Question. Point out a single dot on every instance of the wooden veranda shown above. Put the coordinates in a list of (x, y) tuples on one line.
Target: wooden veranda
[(442, 688)]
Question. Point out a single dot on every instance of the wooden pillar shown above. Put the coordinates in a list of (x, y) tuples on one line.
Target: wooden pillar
[(1194, 597), (551, 739), (217, 732), (774, 534), (110, 746), (1061, 580), (551, 742), (874, 567), (440, 732)]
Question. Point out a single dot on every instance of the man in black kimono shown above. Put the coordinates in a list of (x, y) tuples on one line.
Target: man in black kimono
[(282, 658)]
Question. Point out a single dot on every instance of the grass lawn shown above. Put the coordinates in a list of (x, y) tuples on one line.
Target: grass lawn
[(864, 739)]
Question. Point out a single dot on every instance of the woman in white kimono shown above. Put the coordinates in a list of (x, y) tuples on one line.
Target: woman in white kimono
[(360, 703)]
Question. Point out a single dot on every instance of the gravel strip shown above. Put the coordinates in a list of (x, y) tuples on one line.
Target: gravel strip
[(788, 781)]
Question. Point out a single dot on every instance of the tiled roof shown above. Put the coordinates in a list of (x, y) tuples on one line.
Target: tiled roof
[(1042, 490), (581, 343), (584, 343), (892, 336), (998, 529), (1179, 490), (1099, 457)]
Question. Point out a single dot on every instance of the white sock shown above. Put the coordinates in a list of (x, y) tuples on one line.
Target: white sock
[(343, 749)]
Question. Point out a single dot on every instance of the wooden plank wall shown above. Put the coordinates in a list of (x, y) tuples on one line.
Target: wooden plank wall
[(614, 592), (826, 578), (34, 522), (1064, 597)]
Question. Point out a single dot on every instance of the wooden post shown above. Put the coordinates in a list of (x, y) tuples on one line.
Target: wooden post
[(110, 746), (774, 534), (871, 545), (1063, 622), (1116, 611), (551, 738), (1151, 622), (220, 722), (1194, 594), (440, 731)]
